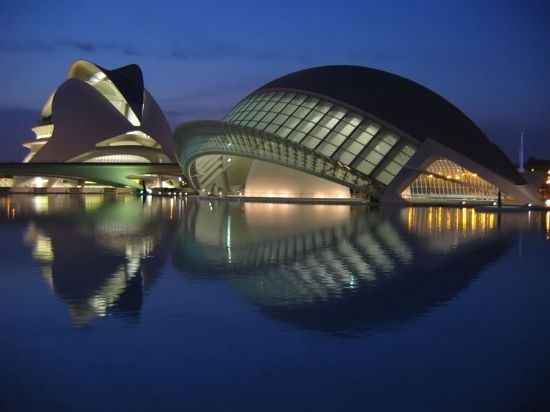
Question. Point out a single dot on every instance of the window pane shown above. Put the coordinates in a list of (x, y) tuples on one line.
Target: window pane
[(323, 107), (305, 126), (298, 99), (280, 119), (373, 157), (328, 122), (361, 136), (385, 177), (301, 112), (310, 102), (287, 97), (296, 136), (337, 112), (354, 147), (327, 149), (344, 128), (278, 107), (353, 119), (320, 132), (310, 141), (292, 122), (408, 150), (390, 139), (289, 109), (392, 168), (269, 117), (335, 138), (314, 116), (271, 128), (283, 131), (346, 157), (365, 167), (382, 147)]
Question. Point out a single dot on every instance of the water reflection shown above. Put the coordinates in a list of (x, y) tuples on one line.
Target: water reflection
[(341, 269), (338, 269), (98, 254)]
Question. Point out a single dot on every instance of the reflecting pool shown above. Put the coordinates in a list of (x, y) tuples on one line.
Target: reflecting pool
[(119, 303)]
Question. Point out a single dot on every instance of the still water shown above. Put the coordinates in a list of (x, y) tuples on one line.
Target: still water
[(116, 303)]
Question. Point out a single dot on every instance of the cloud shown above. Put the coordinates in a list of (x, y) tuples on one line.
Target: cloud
[(205, 50), (65, 44)]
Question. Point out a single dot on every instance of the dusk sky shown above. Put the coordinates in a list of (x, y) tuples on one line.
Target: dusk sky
[(199, 58)]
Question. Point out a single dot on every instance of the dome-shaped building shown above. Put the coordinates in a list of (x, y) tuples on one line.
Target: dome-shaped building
[(341, 131), (99, 116)]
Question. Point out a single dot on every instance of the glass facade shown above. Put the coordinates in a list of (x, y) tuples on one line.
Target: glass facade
[(333, 131), (445, 179)]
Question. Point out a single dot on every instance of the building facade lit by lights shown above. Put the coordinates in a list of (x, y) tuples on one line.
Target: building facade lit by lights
[(98, 116), (347, 131)]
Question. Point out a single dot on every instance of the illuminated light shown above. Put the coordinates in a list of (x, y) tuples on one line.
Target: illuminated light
[(228, 144), (220, 193), (449, 177), (39, 182), (463, 202), (532, 169), (529, 204), (430, 176), (229, 160), (494, 203), (547, 202)]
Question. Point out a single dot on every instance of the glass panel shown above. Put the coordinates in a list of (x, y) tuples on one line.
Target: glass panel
[(296, 136), (269, 117), (305, 126), (310, 141), (390, 139), (408, 150), (327, 149), (354, 147), (382, 147), (314, 117), (287, 97), (271, 128), (278, 107), (280, 119), (373, 157), (289, 109), (346, 157), (401, 158), (385, 177), (337, 112), (328, 122), (320, 132), (298, 99), (292, 122), (323, 107), (365, 167), (344, 128), (301, 112), (268, 106), (361, 136), (310, 102), (283, 131), (259, 115), (335, 138), (393, 168), (261, 125), (353, 119)]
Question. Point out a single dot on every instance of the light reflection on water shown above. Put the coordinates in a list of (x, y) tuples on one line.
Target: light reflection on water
[(343, 274), (295, 263)]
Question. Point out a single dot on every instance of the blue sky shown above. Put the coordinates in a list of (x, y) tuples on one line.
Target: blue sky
[(199, 58)]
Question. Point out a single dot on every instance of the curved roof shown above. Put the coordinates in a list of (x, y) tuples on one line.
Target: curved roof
[(404, 104)]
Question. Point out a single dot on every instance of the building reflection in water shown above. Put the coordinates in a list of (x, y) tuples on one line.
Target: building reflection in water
[(99, 254), (339, 269)]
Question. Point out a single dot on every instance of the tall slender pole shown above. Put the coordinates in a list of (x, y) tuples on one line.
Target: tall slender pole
[(521, 166)]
